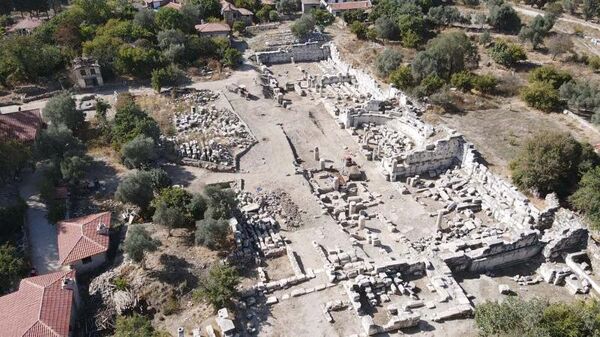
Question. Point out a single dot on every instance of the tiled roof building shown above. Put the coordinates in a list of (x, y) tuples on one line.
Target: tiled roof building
[(44, 306), (84, 238)]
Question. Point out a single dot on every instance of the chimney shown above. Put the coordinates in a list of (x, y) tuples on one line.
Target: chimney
[(67, 283), (102, 229), (180, 332)]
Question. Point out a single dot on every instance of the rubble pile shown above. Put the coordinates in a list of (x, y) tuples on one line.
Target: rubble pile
[(211, 134), (279, 202), (257, 232)]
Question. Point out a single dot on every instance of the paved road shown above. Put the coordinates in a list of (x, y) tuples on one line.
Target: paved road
[(42, 235)]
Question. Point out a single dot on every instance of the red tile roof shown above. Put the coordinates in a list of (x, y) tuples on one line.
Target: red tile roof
[(229, 7), (20, 125), (79, 238), (174, 5), (27, 24), (213, 28), (40, 308), (344, 6)]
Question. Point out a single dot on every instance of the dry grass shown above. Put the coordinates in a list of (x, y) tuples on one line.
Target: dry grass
[(162, 109)]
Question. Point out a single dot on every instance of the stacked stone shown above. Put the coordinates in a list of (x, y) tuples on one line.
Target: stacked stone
[(257, 231)]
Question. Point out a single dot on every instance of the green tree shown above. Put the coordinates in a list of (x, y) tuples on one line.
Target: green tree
[(587, 196), (220, 202), (137, 189), (160, 179), (322, 17), (239, 26), (581, 95), (548, 162), (232, 57), (386, 28), (212, 233), (12, 268), (273, 16), (197, 206), (14, 156), (388, 61), (136, 61), (138, 242), (219, 287), (139, 152), (445, 55), (542, 96), (166, 77), (354, 15), (402, 78), (169, 217), (56, 143), (73, 169), (287, 7), (537, 30), (445, 15), (302, 27), (61, 110), (169, 18), (359, 29), (130, 121), (504, 18), (145, 19), (506, 53)]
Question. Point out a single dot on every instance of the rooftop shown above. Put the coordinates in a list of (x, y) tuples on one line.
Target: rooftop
[(21, 125), (40, 308), (228, 6), (26, 24), (82, 237), (344, 6), (213, 27)]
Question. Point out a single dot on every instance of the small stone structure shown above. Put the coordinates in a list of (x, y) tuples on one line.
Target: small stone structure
[(86, 73)]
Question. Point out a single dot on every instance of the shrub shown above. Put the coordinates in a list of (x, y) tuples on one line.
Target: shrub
[(168, 216), (542, 96), (559, 44), (485, 83), (549, 162), (322, 17), (386, 28), (212, 233), (138, 242), (134, 326), (402, 78), (232, 57), (139, 152), (594, 62), (239, 26), (583, 95), (551, 75), (166, 77), (359, 29), (219, 287), (462, 80), (507, 54), (387, 61), (160, 179), (431, 84)]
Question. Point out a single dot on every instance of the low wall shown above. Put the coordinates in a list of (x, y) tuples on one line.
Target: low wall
[(306, 52)]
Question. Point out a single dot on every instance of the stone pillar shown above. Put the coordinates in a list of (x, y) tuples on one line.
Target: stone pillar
[(361, 222), (336, 183), (322, 163), (316, 153), (352, 209), (440, 218)]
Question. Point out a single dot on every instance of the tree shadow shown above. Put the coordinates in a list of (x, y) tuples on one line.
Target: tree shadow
[(176, 272), (179, 175)]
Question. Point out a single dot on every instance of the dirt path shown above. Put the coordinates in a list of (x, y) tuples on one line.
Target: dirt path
[(563, 18), (41, 234)]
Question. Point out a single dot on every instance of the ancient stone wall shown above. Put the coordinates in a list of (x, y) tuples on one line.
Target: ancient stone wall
[(306, 52)]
